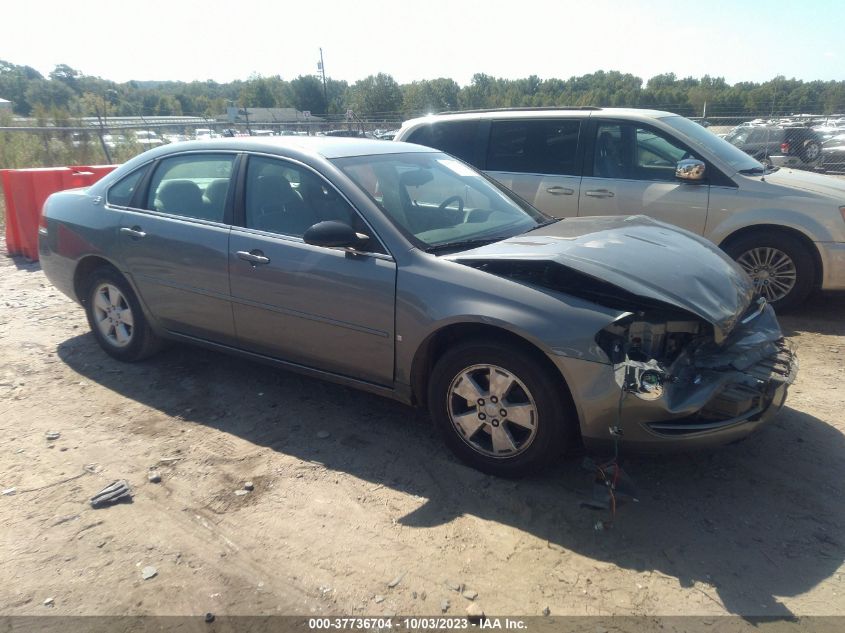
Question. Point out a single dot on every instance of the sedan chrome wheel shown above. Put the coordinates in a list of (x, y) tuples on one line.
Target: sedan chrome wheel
[(113, 315), (492, 411), (773, 271)]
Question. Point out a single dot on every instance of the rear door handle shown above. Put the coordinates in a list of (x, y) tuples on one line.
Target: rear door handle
[(253, 257), (599, 193), (134, 232), (560, 191)]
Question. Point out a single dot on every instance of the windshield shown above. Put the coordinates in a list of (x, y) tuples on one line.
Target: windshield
[(437, 200), (700, 138)]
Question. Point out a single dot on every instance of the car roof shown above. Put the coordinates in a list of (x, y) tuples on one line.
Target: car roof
[(543, 113), (325, 146)]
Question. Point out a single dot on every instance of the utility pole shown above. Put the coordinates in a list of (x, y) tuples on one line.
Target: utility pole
[(322, 68)]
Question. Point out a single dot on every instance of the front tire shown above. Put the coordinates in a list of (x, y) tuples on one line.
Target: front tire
[(116, 318), (499, 408), (782, 268)]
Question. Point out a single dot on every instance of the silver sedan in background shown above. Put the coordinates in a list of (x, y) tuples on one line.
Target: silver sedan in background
[(402, 271)]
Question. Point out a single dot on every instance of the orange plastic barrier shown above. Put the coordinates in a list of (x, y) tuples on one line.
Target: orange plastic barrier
[(26, 190)]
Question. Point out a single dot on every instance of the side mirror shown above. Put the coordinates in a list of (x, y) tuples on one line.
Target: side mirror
[(690, 169), (333, 234)]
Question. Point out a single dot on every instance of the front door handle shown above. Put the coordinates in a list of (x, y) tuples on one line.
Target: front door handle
[(254, 257), (135, 232), (599, 193), (560, 191)]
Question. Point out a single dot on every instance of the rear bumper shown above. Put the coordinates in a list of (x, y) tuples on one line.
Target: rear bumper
[(794, 161)]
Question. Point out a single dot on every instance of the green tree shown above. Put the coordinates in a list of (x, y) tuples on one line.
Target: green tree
[(429, 95), (307, 94), (376, 95)]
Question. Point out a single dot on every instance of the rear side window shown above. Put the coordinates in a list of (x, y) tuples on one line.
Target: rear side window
[(121, 193), (534, 147), (193, 186), (458, 138)]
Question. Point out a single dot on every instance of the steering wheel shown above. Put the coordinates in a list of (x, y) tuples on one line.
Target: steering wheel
[(450, 200)]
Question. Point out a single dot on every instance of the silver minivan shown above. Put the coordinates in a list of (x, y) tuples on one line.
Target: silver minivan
[(785, 227)]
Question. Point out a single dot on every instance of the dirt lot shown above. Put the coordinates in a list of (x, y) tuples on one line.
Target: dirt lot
[(753, 529)]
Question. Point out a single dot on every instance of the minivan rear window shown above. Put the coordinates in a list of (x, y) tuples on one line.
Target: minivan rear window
[(458, 138)]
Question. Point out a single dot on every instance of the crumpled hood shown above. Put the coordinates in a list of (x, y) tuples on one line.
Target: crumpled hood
[(641, 255)]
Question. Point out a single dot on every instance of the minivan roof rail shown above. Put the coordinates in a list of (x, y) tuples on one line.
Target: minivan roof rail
[(520, 109)]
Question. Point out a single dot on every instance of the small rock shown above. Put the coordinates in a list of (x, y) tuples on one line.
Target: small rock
[(379, 599), (469, 594), (154, 477), (209, 617), (49, 602), (396, 580), (323, 435), (9, 492), (241, 493), (474, 612), (444, 606), (53, 435), (414, 595), (454, 586), (149, 572), (423, 595), (546, 611), (249, 486)]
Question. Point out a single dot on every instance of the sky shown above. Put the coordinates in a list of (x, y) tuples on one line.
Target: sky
[(119, 40)]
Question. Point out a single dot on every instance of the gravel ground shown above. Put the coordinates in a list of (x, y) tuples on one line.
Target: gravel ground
[(356, 507)]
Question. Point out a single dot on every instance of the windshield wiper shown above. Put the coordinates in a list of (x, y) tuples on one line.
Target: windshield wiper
[(759, 170), (546, 223), (462, 245)]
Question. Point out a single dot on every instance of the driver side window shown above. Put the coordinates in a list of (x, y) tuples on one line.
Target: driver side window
[(636, 153)]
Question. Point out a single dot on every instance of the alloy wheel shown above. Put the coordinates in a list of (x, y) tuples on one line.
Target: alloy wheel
[(113, 315), (492, 411), (773, 271)]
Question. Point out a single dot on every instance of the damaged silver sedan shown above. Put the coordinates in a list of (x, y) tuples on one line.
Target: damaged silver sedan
[(402, 271)]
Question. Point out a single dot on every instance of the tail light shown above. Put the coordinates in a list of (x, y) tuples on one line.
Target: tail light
[(784, 148), (42, 223)]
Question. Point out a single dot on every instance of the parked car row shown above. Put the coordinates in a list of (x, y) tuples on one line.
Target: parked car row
[(786, 228), (833, 153), (781, 145)]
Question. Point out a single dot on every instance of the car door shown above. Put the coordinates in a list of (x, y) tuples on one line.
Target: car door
[(630, 169), (175, 244), (325, 308), (539, 160)]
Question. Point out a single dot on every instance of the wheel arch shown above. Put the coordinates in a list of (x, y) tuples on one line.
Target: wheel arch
[(805, 241), (84, 268), (437, 343)]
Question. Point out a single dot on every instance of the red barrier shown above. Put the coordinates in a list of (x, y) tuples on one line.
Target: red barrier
[(26, 190)]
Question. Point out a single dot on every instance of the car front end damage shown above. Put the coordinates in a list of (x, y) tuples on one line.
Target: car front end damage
[(693, 359), (672, 386)]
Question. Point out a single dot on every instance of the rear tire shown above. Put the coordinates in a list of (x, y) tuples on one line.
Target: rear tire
[(811, 152), (499, 408), (116, 318), (782, 268)]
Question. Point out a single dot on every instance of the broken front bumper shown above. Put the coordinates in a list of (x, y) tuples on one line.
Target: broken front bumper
[(712, 396)]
